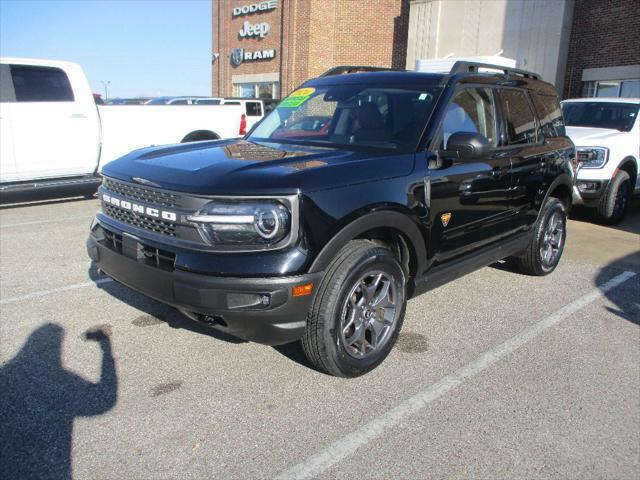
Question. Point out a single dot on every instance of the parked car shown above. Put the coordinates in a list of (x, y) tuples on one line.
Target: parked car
[(419, 179), (254, 108), (52, 134), (606, 132)]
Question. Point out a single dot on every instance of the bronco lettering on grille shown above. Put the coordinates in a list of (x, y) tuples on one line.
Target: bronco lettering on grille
[(137, 208)]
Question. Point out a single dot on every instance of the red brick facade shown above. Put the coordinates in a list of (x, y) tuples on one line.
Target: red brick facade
[(309, 37), (604, 33)]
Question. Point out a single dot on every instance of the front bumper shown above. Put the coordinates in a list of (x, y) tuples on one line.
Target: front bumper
[(588, 192), (262, 310)]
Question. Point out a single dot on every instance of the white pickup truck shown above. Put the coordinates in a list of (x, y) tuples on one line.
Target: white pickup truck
[(53, 135), (606, 133)]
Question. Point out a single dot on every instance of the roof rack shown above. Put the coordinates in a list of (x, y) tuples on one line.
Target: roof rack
[(354, 68), (473, 67)]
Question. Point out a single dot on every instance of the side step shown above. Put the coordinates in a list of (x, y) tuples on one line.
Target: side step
[(475, 260), (50, 188)]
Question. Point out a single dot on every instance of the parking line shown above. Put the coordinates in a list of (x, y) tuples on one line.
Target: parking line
[(44, 293), (37, 222), (341, 449)]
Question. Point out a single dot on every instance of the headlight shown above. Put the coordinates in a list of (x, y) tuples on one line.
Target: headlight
[(253, 224), (592, 157)]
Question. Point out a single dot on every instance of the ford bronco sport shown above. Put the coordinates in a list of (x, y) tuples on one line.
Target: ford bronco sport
[(362, 189)]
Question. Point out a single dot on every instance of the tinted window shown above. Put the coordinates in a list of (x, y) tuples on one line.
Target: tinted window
[(40, 84), (619, 116), (519, 119), (254, 109), (354, 116), (550, 115), (208, 102), (472, 110), (179, 102)]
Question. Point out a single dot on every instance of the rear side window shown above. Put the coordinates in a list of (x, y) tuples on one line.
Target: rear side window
[(471, 110), (519, 119), (40, 84), (550, 115), (254, 109)]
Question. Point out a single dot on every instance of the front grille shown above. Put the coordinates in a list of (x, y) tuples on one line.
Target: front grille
[(152, 224), (152, 256), (157, 257), (148, 195)]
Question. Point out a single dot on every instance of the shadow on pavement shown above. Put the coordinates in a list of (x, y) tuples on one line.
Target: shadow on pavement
[(39, 401), (630, 223), (627, 297)]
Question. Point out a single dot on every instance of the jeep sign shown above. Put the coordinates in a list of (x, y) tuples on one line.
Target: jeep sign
[(254, 7), (254, 30)]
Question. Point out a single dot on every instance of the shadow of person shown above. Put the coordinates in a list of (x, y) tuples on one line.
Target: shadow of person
[(39, 400)]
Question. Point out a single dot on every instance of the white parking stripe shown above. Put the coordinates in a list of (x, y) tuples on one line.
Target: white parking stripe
[(344, 447), (44, 293), (37, 222)]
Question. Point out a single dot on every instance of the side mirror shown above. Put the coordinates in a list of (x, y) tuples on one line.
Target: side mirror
[(468, 146)]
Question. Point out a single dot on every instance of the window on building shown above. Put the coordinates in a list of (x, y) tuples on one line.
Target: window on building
[(256, 90), (520, 121), (611, 88), (472, 110), (40, 84)]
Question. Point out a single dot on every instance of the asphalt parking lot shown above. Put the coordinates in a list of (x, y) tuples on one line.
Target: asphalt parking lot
[(496, 375)]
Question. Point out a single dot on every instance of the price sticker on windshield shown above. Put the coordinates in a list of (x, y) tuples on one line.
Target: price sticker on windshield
[(297, 98)]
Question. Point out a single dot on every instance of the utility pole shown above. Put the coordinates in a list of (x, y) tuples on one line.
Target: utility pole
[(106, 88)]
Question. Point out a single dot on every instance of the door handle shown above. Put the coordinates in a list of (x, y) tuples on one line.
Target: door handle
[(77, 115)]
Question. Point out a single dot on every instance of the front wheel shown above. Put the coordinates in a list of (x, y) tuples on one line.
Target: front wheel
[(358, 311), (547, 243), (615, 200)]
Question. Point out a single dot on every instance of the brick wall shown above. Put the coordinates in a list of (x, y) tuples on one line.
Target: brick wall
[(604, 33), (311, 36)]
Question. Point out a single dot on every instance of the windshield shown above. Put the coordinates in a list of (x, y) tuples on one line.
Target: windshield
[(618, 116), (350, 115)]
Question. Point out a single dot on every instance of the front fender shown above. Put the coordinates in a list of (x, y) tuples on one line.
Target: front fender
[(379, 219)]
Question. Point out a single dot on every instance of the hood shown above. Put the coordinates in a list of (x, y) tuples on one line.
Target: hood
[(241, 167), (593, 137)]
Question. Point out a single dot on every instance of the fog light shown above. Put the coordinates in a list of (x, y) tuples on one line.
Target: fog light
[(302, 290), (248, 300), (588, 186)]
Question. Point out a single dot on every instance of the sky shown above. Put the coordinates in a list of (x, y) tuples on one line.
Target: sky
[(143, 47)]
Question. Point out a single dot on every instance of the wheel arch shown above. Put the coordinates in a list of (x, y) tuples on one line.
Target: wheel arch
[(390, 228), (630, 165), (562, 189)]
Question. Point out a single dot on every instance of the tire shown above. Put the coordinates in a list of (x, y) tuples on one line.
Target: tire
[(615, 200), (347, 333), (547, 244)]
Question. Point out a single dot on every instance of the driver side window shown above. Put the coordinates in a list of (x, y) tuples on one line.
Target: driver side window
[(471, 110)]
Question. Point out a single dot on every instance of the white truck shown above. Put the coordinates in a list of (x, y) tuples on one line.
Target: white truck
[(606, 133), (53, 136)]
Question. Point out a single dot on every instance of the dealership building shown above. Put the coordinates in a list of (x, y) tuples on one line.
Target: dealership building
[(267, 48)]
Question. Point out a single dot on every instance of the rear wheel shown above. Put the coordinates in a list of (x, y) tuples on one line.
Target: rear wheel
[(358, 311), (547, 244), (613, 204)]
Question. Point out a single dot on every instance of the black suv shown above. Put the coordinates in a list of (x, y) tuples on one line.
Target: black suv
[(359, 191)]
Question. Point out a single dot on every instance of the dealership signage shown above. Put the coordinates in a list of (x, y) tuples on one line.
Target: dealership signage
[(254, 30), (239, 55), (254, 7)]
